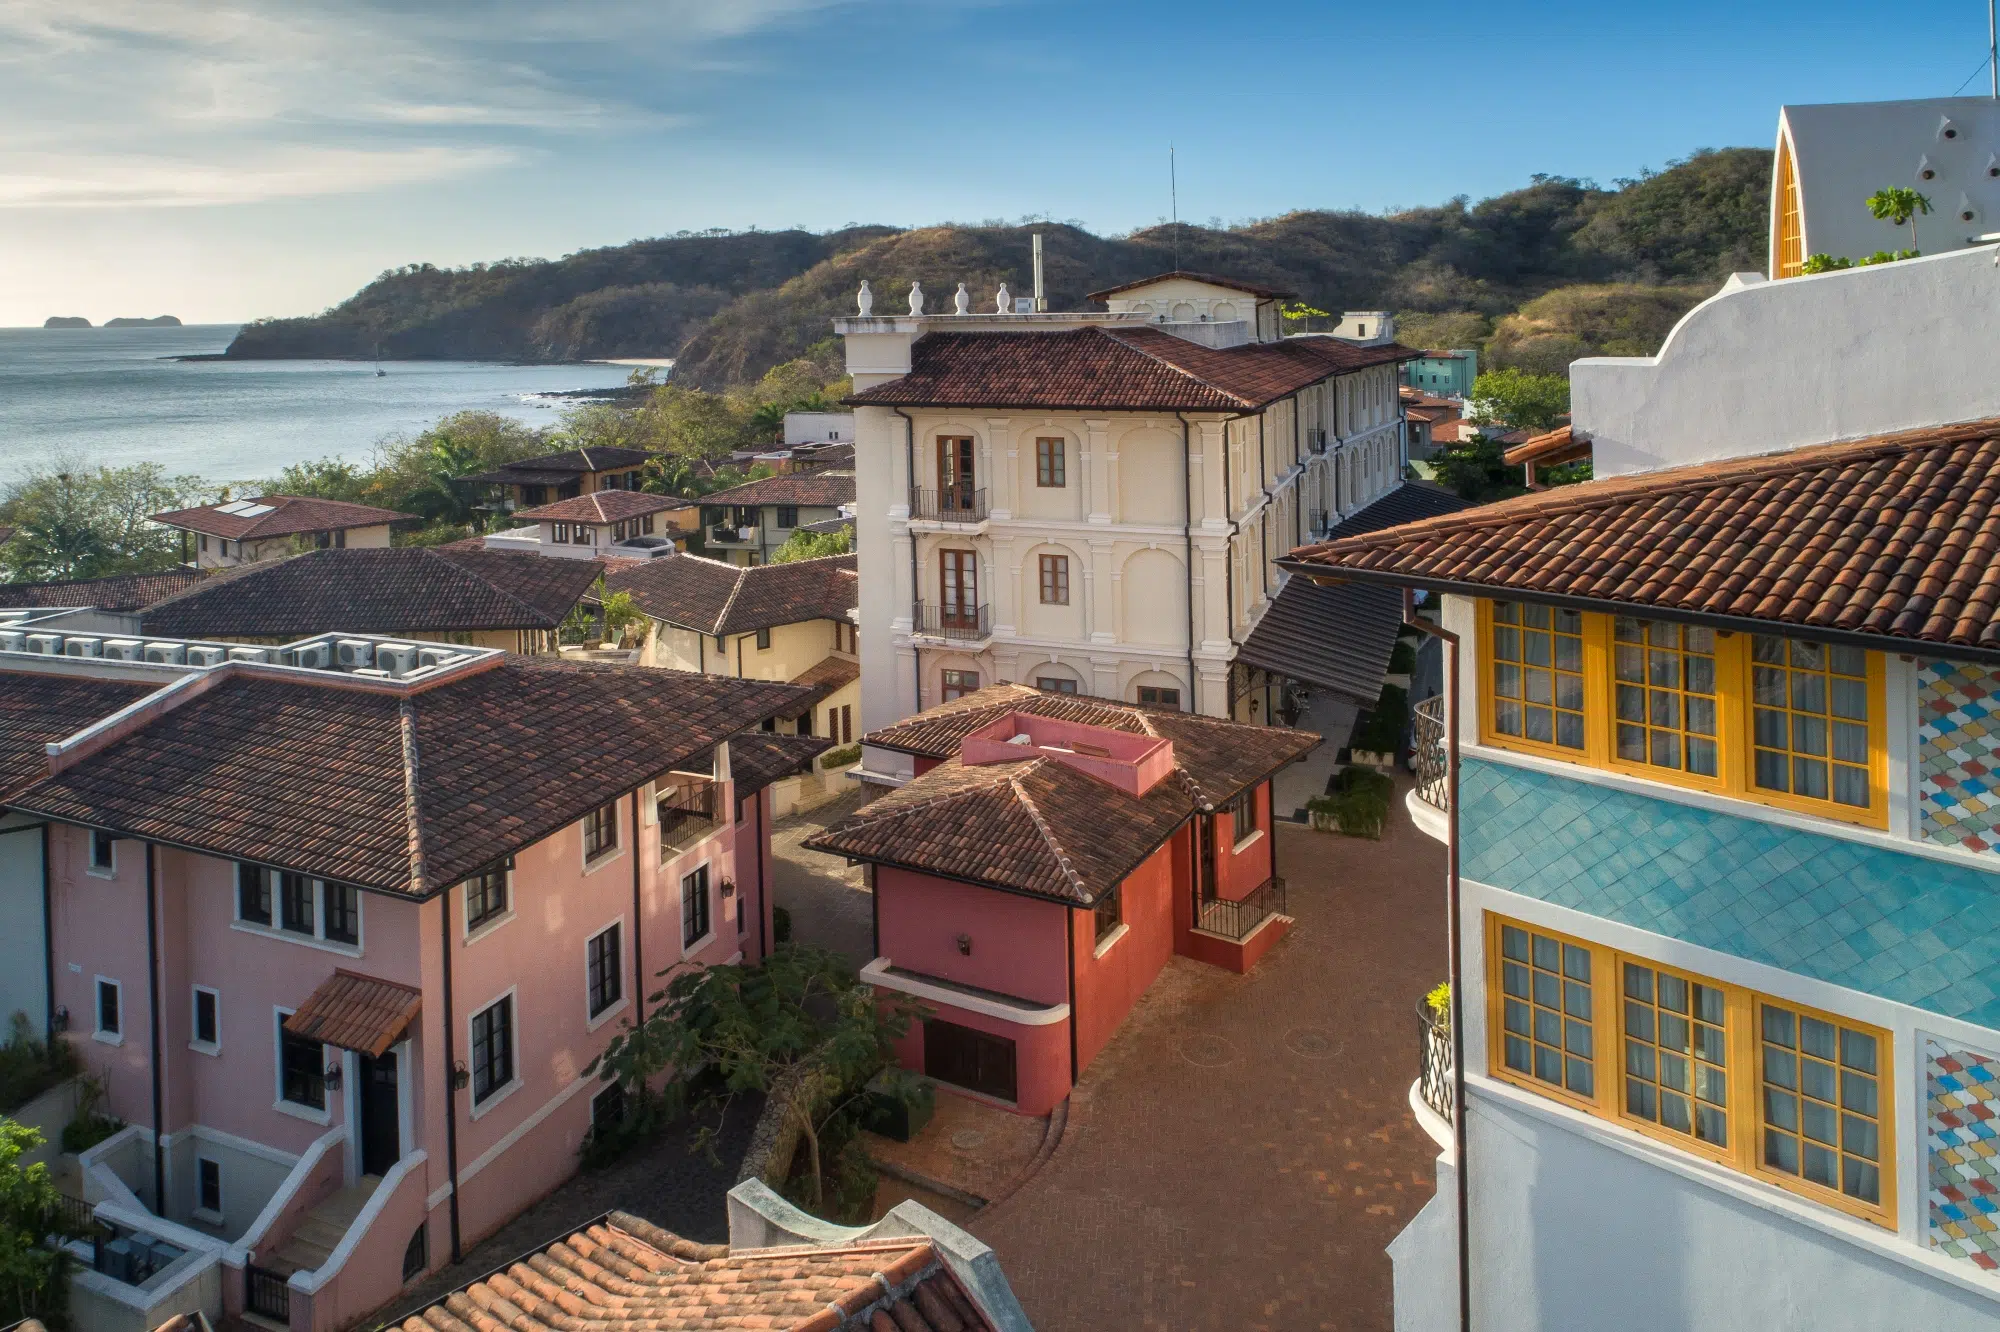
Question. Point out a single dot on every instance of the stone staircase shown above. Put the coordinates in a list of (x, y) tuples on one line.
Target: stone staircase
[(316, 1237)]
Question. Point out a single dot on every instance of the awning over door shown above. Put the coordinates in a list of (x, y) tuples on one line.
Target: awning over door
[(358, 1013)]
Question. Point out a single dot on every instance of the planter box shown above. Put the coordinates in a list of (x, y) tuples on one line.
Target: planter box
[(1400, 681), (1373, 758), (893, 1118)]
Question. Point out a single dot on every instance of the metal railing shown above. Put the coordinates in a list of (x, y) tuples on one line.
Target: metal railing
[(958, 623), (1434, 1059), (1433, 785), (687, 811), (953, 504), (1236, 920), (729, 532), (267, 1293), (1316, 521)]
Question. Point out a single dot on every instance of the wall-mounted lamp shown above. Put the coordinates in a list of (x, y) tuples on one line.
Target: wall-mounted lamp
[(728, 889), (461, 1078), (60, 1022), (965, 944), (333, 1076)]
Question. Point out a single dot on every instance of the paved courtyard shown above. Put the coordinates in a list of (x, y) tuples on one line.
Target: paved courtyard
[(827, 903)]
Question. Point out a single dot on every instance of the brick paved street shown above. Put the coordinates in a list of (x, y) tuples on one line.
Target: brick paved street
[(827, 905), (1242, 1152)]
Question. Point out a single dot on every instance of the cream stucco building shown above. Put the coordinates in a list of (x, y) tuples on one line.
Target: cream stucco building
[(1091, 502)]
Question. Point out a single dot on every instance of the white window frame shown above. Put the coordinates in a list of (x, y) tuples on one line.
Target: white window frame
[(324, 1114), (592, 1023), (480, 1109), (317, 939), (97, 1032), (468, 932), (91, 867), (214, 1216), (680, 900), (195, 1042)]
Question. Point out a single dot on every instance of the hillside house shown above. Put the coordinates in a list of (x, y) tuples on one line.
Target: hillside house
[(614, 524), (746, 524), (271, 527), (554, 477)]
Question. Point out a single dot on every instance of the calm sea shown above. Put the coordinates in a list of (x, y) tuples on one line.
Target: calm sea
[(116, 396)]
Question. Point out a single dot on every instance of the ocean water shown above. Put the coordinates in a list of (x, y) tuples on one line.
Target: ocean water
[(115, 396)]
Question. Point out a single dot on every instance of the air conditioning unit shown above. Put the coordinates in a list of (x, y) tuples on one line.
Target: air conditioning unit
[(166, 654), (122, 649), (353, 653), (398, 659), (249, 654), (13, 640), (119, 1261), (204, 655), (80, 646), (431, 656), (313, 656), (45, 645)]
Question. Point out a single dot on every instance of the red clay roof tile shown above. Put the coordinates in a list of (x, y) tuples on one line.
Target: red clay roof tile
[(288, 514)]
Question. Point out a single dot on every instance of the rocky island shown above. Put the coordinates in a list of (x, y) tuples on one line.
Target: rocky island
[(65, 321), (162, 321)]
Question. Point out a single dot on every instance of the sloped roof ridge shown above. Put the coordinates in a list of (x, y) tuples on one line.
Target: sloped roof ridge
[(1181, 370), (1003, 772), (1042, 826), (454, 562), (729, 602), (406, 718)]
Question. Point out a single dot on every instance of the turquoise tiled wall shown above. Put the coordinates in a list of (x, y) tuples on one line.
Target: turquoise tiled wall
[(1907, 928)]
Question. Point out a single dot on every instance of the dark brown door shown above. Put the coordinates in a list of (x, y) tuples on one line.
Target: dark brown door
[(958, 582), (955, 472), (970, 1059), (381, 1137)]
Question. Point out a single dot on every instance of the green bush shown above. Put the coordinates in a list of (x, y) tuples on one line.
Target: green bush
[(1365, 780), (29, 1067), (781, 925), (840, 758), (1404, 659), (1383, 727), (1356, 803), (90, 1125)]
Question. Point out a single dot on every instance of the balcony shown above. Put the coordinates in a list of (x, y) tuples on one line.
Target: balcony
[(1432, 759), (687, 810), (1240, 919), (728, 534), (959, 506), (952, 624), (1317, 521), (1434, 1064)]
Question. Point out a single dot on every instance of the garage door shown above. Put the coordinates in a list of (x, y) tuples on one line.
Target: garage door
[(974, 1060)]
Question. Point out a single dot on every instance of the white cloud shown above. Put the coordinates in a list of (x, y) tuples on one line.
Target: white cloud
[(41, 180)]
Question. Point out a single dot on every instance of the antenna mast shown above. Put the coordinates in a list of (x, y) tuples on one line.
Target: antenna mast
[(1174, 194), (1993, 49)]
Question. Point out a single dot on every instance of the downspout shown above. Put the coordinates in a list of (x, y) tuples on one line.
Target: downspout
[(763, 888), (701, 652), (450, 1075), (1069, 947), (910, 482), (1264, 519), (638, 926), (48, 938), (1187, 548), (153, 1022), (1457, 951)]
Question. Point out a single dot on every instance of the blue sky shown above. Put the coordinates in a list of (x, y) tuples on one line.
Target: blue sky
[(267, 157)]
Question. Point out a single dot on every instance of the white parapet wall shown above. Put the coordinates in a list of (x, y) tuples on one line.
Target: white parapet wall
[(1766, 366)]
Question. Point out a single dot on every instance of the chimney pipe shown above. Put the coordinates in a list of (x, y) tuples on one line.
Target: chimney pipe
[(1041, 299)]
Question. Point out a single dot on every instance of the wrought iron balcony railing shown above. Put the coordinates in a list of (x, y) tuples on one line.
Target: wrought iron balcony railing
[(1237, 920), (1433, 786), (687, 810), (1434, 1059), (953, 504), (961, 624)]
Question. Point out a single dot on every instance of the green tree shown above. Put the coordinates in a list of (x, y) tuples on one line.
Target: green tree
[(1477, 470), (77, 521), (1518, 400), (414, 473), (34, 1274), (804, 545), (622, 615), (1899, 204), (323, 478), (803, 1020)]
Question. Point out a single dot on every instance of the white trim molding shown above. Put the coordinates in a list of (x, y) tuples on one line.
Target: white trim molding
[(878, 973)]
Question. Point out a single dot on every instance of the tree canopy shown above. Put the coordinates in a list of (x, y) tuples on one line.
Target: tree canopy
[(1519, 400)]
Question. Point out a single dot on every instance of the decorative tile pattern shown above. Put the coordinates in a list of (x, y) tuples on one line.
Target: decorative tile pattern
[(1919, 931), (1962, 1094), (1958, 754)]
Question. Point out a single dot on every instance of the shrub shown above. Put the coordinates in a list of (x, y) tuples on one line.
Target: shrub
[(1356, 803), (781, 925), (1404, 659), (1438, 1004), (29, 1067), (1384, 726), (840, 758), (90, 1125)]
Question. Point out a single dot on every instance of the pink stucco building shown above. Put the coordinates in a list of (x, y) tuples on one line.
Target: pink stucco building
[(1050, 855), (339, 926)]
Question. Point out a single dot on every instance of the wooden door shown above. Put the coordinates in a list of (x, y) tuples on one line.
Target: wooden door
[(958, 588), (974, 1060), (955, 472)]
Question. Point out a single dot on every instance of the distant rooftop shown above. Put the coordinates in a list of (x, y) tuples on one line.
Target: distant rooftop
[(275, 516)]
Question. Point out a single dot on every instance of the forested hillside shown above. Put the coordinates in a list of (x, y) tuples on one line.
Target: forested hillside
[(732, 306)]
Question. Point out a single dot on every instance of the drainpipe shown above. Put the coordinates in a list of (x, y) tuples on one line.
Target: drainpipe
[(450, 1073), (153, 1022), (1187, 548), (638, 917), (1457, 951), (48, 939), (1069, 947), (763, 889), (910, 480)]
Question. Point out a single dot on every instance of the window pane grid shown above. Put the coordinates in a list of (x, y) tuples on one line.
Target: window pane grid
[(1546, 1010), (1676, 1053), (1538, 673), (1810, 729), (492, 1049), (1822, 1103), (605, 977), (1663, 695), (1055, 580)]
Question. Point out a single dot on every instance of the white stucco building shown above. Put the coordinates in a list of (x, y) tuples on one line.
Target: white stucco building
[(1091, 502)]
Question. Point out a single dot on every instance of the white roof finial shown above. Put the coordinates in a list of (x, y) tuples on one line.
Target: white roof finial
[(916, 298), (961, 300), (1003, 303), (865, 299)]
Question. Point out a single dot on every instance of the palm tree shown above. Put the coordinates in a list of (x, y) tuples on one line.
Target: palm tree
[(440, 497), (1897, 205)]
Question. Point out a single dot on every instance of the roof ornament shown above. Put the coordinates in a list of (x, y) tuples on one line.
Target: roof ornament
[(865, 299), (916, 298), (1003, 303), (961, 300)]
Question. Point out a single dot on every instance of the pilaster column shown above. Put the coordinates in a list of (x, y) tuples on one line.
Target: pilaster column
[(1209, 507), (1002, 467), (1005, 593), (1097, 496), (1100, 597)]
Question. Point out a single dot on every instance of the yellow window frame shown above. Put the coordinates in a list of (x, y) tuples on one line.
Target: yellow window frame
[(1734, 717), (1744, 1104)]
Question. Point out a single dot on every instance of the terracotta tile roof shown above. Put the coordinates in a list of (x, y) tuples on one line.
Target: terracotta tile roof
[(557, 468), (1338, 638), (1887, 540), (1554, 446), (404, 590), (829, 677), (120, 592), (1410, 502), (405, 794), (816, 487), (758, 758), (355, 1012), (1212, 279), (716, 598), (623, 1274), (288, 515), (603, 506), (1098, 368), (36, 709)]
